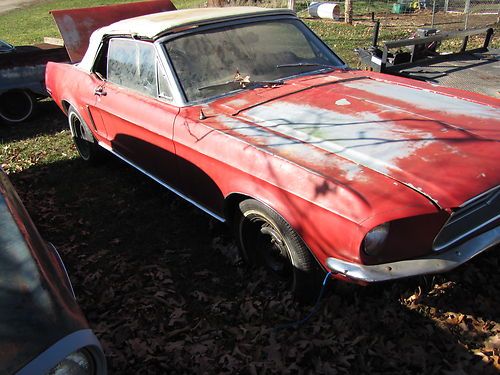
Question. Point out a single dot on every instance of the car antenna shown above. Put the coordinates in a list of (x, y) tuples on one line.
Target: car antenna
[(202, 115)]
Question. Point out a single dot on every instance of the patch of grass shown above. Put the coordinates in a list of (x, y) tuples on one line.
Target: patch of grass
[(31, 24), (343, 39), (42, 141), (359, 7), (39, 150), (364, 7)]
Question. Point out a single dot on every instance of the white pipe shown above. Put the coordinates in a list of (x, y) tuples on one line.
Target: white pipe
[(324, 10)]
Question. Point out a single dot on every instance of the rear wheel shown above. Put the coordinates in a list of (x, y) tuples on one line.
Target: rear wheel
[(266, 239), (82, 137), (16, 106)]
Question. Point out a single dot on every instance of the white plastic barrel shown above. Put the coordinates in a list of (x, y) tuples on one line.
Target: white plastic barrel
[(324, 10)]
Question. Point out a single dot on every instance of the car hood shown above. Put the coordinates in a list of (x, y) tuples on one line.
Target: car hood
[(441, 145)]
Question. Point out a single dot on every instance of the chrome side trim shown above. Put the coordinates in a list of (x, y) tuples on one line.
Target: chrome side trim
[(465, 234), (178, 97), (463, 216), (63, 267), (162, 183), (78, 340), (87, 107), (435, 263), (478, 197)]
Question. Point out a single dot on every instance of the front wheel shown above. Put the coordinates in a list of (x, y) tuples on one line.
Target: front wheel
[(266, 239), (82, 137)]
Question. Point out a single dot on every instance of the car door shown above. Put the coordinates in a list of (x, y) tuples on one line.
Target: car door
[(133, 104)]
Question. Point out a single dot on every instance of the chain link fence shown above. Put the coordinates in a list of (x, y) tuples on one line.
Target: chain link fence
[(442, 14), (475, 12), (471, 6)]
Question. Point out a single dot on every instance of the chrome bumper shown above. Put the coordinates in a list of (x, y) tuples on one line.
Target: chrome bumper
[(436, 263)]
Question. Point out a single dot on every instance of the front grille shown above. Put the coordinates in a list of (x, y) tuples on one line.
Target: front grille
[(473, 217)]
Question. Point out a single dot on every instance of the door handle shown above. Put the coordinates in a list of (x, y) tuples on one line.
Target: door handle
[(99, 91)]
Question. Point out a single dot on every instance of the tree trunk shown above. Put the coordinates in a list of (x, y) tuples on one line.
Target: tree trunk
[(348, 11), (215, 3)]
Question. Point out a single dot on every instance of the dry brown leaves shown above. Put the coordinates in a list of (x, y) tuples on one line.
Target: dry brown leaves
[(164, 289)]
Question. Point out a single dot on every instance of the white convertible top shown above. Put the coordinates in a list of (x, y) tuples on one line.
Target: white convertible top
[(152, 26)]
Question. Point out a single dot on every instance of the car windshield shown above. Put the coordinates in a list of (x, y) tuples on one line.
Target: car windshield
[(214, 62)]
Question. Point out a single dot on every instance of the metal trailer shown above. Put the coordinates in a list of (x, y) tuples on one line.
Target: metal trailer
[(22, 77), (473, 70)]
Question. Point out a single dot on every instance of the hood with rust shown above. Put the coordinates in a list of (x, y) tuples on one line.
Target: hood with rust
[(444, 146)]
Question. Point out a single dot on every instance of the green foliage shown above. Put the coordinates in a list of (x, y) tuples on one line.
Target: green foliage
[(343, 39), (31, 24), (42, 149), (38, 142)]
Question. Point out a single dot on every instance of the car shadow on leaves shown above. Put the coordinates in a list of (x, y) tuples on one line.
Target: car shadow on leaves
[(47, 119), (162, 286)]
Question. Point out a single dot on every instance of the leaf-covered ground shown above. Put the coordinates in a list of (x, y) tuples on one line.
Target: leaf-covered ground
[(163, 288)]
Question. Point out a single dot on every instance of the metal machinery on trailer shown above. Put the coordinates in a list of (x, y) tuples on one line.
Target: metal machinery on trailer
[(473, 70)]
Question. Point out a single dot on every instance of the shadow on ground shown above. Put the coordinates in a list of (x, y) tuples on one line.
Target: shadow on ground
[(160, 283), (47, 119)]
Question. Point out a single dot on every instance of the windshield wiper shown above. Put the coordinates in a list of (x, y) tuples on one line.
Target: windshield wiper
[(243, 83), (264, 83), (291, 65)]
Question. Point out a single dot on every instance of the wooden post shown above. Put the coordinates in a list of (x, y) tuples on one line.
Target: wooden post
[(433, 12), (467, 6), (348, 11), (215, 3), (291, 4), (467, 12)]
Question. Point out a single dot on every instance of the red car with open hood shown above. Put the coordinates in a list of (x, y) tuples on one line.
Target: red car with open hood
[(247, 114)]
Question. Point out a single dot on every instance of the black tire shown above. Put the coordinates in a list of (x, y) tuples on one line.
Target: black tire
[(84, 141), (16, 106), (266, 239)]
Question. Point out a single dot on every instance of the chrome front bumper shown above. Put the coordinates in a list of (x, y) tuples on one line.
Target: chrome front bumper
[(436, 263)]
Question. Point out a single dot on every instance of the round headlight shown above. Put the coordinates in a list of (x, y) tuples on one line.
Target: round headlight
[(77, 363), (375, 239)]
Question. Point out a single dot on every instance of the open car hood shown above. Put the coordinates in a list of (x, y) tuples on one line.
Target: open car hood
[(76, 25), (445, 147)]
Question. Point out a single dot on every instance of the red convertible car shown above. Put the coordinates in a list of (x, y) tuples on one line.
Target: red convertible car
[(247, 114)]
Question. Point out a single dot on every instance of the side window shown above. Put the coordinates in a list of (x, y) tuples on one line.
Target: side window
[(101, 62), (132, 64), (163, 86)]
